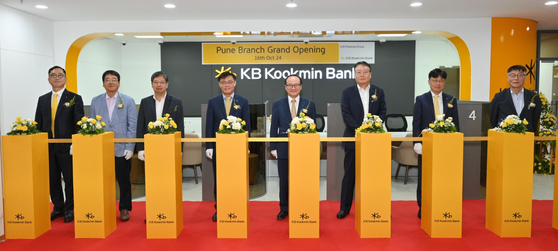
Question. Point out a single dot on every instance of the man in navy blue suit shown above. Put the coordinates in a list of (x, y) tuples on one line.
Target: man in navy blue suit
[(426, 107), (218, 108), (357, 101), (516, 100), (284, 110)]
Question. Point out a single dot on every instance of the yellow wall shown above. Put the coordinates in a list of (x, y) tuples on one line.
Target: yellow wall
[(514, 42)]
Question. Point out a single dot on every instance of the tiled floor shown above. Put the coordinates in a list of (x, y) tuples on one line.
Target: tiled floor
[(543, 189)]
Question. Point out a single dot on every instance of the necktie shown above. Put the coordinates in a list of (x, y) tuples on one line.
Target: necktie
[(53, 112), (228, 105), (436, 105), (293, 109)]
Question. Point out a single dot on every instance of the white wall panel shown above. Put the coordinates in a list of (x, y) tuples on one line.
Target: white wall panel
[(430, 55), (16, 30), (43, 37)]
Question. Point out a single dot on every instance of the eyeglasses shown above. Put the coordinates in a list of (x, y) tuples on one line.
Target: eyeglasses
[(293, 86), (230, 82), (159, 83), (436, 81), (111, 80), (362, 72), (57, 76), (516, 75)]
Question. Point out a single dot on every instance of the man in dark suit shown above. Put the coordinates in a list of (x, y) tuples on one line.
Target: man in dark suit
[(284, 110), (119, 112), (156, 106), (218, 108), (357, 101), (57, 114), (426, 107), (516, 101)]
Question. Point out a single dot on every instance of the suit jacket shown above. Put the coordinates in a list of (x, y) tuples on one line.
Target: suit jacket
[(216, 112), (502, 106), (280, 120), (67, 116), (172, 106), (123, 122), (423, 112), (353, 114)]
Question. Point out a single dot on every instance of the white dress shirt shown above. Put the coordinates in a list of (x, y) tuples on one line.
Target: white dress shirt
[(296, 103), (364, 97), (159, 105)]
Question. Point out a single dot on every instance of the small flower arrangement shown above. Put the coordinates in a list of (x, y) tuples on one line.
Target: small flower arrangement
[(302, 124), (532, 103), (548, 120), (374, 97), (24, 127), (450, 103), (441, 125), (231, 125), (512, 123), (120, 104), (72, 102), (91, 126), (163, 125), (235, 106), (371, 124)]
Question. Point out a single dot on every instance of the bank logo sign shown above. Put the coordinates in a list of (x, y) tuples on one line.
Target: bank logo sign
[(304, 218), (516, 217), (19, 219), (232, 217), (89, 218), (288, 53), (161, 218)]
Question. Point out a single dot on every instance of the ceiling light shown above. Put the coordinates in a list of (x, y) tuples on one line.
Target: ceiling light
[(417, 32), (118, 34), (40, 6), (291, 4), (170, 6), (551, 3), (217, 33), (148, 36), (392, 35), (229, 36), (316, 33), (416, 4)]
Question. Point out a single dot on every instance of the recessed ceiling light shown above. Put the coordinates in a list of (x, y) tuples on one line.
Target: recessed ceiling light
[(40, 6), (148, 36), (392, 35), (416, 4), (291, 4), (170, 6), (551, 3), (118, 34), (417, 32)]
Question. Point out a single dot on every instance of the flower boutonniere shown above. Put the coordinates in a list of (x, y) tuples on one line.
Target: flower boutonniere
[(374, 97), (235, 106), (120, 104), (72, 102), (532, 103), (305, 110), (450, 103), (176, 108)]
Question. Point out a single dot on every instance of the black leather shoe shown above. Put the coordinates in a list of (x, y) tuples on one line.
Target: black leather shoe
[(342, 214), (56, 214), (282, 215), (214, 217), (419, 214), (69, 216)]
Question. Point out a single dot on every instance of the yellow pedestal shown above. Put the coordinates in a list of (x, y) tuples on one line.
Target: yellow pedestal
[(442, 184), (163, 186), (304, 185), (373, 185), (26, 186), (232, 185), (555, 204), (509, 183), (94, 185)]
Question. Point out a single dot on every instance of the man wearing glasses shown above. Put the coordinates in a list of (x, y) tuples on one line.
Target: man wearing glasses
[(119, 112), (516, 101), (156, 106), (218, 108), (57, 114), (284, 110), (357, 101)]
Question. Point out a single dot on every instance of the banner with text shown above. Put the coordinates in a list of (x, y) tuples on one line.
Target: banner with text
[(288, 53)]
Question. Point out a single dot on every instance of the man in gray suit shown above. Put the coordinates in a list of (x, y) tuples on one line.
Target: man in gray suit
[(118, 111)]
